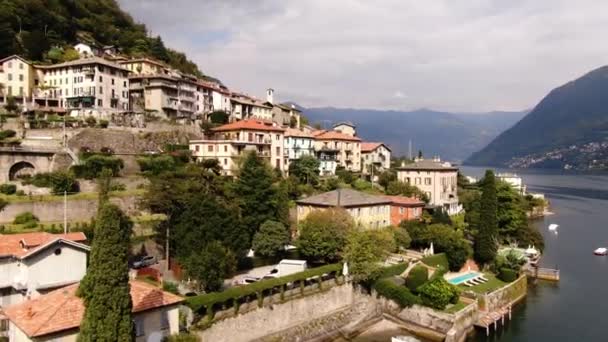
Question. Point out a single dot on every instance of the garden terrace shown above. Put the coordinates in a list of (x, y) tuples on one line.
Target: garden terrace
[(218, 305)]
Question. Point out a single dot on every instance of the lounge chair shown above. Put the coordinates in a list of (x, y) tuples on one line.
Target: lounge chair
[(483, 278), (468, 283), (475, 281)]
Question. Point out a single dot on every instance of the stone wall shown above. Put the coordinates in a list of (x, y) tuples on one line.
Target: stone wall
[(507, 295), (52, 211)]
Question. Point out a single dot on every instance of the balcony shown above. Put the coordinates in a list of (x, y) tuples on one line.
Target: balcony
[(88, 70), (170, 105)]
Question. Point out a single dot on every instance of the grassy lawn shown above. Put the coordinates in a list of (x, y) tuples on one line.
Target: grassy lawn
[(456, 307), (78, 196), (492, 284), (436, 260)]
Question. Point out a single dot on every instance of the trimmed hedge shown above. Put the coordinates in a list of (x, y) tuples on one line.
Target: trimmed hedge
[(387, 288), (437, 260), (417, 277), (8, 189), (508, 275), (197, 303), (438, 293), (392, 270)]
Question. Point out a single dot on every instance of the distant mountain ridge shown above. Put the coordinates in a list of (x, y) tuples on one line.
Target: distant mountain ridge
[(567, 129), (453, 136)]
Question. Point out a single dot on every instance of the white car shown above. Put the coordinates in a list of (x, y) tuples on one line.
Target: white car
[(146, 261)]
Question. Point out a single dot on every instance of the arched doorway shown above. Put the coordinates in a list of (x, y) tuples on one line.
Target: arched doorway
[(21, 169)]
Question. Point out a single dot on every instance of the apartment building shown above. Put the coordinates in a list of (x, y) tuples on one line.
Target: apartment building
[(145, 66), (405, 209), (245, 107), (345, 148), (297, 144), (346, 128), (367, 210), (229, 142), (19, 80), (87, 86), (437, 179), (376, 157), (282, 113)]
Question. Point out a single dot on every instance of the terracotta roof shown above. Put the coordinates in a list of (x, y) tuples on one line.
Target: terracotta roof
[(409, 201), (61, 309), (370, 146), (333, 135), (250, 124), (292, 132), (19, 245), (348, 198)]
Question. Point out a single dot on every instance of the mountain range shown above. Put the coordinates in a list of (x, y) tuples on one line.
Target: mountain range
[(452, 136), (567, 129)]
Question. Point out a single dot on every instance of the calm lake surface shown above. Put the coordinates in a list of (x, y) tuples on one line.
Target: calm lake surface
[(574, 309)]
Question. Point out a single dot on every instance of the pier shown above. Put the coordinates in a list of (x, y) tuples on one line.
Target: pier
[(486, 319), (543, 273)]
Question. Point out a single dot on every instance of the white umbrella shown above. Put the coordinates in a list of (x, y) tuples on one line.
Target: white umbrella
[(345, 270), (431, 250)]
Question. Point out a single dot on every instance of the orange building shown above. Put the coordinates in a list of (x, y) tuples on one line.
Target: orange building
[(404, 208)]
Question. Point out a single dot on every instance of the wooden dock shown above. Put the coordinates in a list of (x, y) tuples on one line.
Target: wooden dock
[(543, 273), (486, 319)]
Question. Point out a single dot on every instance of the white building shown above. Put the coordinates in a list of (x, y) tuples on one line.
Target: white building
[(35, 263), (439, 180), (297, 144), (376, 157), (229, 142), (514, 181), (19, 80), (245, 107), (283, 114), (88, 86)]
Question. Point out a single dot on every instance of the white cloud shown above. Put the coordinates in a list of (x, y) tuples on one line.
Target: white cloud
[(444, 54)]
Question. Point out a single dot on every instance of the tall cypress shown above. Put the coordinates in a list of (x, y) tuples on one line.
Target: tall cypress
[(105, 288), (487, 235)]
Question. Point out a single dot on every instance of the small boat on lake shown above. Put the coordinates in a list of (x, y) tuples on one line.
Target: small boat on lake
[(404, 339), (601, 251), (553, 227)]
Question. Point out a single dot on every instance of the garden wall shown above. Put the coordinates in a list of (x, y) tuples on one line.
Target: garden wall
[(505, 296)]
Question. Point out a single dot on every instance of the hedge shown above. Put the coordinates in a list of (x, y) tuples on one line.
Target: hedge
[(438, 293), (387, 288), (508, 275), (208, 300), (437, 260), (392, 270), (417, 277), (8, 189)]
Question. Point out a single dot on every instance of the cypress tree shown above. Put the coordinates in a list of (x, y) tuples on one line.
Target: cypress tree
[(486, 240), (105, 288)]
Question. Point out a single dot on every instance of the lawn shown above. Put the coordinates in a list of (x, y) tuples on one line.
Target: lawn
[(456, 307), (437, 260), (492, 284)]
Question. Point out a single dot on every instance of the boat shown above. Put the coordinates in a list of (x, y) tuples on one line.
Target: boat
[(553, 226), (601, 251), (404, 339)]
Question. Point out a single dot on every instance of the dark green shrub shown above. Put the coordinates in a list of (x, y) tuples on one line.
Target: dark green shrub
[(8, 189), (387, 288), (183, 337), (24, 218), (507, 275), (170, 287), (20, 193), (118, 187), (104, 123), (416, 278), (92, 166), (91, 121), (8, 133), (438, 293), (155, 165)]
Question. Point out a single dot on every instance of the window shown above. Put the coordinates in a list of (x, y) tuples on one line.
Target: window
[(10, 64), (225, 161), (124, 84), (99, 103), (21, 91), (278, 137), (10, 90), (210, 148), (57, 251), (100, 79), (427, 181), (401, 210), (139, 327), (225, 148), (112, 81), (278, 163), (20, 77), (21, 66), (278, 151), (10, 77), (100, 90), (164, 319)]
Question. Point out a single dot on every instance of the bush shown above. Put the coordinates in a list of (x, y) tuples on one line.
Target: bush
[(9, 133), (183, 337), (438, 293), (416, 278), (362, 185), (170, 287), (402, 238), (507, 275), (92, 166), (24, 218), (91, 121), (155, 165), (104, 123), (8, 189), (387, 288), (20, 193), (118, 187)]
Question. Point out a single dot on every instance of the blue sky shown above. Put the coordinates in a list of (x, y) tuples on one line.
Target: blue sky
[(465, 55)]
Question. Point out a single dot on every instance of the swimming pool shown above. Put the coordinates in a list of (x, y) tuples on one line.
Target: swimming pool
[(463, 277)]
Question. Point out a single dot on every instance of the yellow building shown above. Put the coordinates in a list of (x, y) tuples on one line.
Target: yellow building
[(367, 210)]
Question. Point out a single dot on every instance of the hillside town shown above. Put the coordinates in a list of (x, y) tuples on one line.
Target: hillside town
[(189, 204)]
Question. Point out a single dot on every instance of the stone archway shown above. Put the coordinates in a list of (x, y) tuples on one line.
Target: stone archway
[(21, 168)]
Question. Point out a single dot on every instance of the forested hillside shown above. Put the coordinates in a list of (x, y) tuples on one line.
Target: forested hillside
[(44, 31)]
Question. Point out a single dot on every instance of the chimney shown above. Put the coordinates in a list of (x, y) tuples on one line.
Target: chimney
[(270, 95)]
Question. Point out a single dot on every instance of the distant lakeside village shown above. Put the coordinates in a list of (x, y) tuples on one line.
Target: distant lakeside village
[(212, 215)]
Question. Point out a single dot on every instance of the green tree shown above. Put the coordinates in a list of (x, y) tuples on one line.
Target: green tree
[(487, 235), (104, 185), (438, 293), (405, 189), (402, 238), (105, 288), (416, 278), (70, 55), (323, 234), (11, 105), (365, 250), (306, 169), (210, 265), (387, 177), (271, 239), (218, 117), (255, 193)]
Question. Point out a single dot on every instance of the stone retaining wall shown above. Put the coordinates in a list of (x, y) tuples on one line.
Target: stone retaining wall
[(507, 295)]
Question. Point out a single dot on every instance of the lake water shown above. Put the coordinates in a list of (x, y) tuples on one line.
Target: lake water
[(574, 309)]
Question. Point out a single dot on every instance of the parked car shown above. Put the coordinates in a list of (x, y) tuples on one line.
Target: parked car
[(146, 261), (248, 280)]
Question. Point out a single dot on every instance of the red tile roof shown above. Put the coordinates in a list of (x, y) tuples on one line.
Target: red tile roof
[(370, 146), (61, 309), (333, 135), (251, 125), (292, 132), (18, 245), (402, 200)]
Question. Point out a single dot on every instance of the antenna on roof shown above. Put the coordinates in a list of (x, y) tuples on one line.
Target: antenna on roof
[(410, 149)]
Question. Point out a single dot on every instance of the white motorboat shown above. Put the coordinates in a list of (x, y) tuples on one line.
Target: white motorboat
[(601, 251), (553, 227), (404, 339)]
